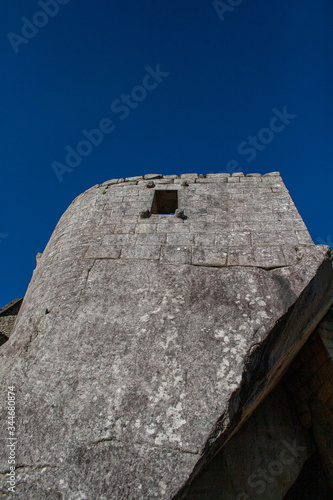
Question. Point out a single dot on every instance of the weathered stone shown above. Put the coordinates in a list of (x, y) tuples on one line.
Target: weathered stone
[(266, 257), (146, 228), (38, 257), (125, 228), (170, 177), (180, 239), (176, 255), (145, 214), (150, 184), (103, 252), (206, 239), (250, 180), (229, 238), (185, 182), (216, 176), (179, 213), (189, 176), (151, 239), (304, 238), (146, 251), (274, 238), (209, 256), (111, 182), (163, 181), (167, 227), (272, 174), (149, 177), (134, 179), (210, 180)]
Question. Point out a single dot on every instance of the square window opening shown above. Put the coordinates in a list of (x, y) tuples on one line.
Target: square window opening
[(165, 202)]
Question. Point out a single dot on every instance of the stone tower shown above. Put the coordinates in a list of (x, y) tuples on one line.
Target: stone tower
[(169, 346)]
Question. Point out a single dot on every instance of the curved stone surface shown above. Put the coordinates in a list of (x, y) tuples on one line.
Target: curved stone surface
[(131, 355)]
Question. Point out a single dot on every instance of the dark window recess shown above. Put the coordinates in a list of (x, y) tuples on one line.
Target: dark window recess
[(165, 202)]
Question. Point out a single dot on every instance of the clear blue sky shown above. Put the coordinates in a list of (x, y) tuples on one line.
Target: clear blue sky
[(228, 69)]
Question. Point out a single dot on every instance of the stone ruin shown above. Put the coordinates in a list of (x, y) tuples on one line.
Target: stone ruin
[(8, 315), (175, 342)]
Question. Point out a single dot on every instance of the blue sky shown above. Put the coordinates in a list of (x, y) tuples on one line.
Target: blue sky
[(224, 70)]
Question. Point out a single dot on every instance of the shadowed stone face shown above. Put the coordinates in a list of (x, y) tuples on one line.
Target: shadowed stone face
[(150, 330)]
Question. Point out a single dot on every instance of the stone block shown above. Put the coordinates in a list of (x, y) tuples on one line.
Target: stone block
[(209, 227), (167, 187), (130, 219), (189, 176), (110, 182), (151, 239), (204, 239), (117, 212), (304, 238), (134, 179), (92, 231), (266, 257), (272, 181), (119, 239), (233, 180), (233, 238), (250, 180), (173, 227), (290, 254), (145, 252), (145, 228), (125, 229), (176, 255), (182, 239), (149, 177), (201, 217), (219, 175), (210, 180), (209, 256), (103, 252), (274, 238), (163, 181), (189, 180)]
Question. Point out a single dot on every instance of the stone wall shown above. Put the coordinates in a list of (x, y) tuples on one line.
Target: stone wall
[(310, 381), (8, 316), (326, 332), (228, 221), (132, 365)]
